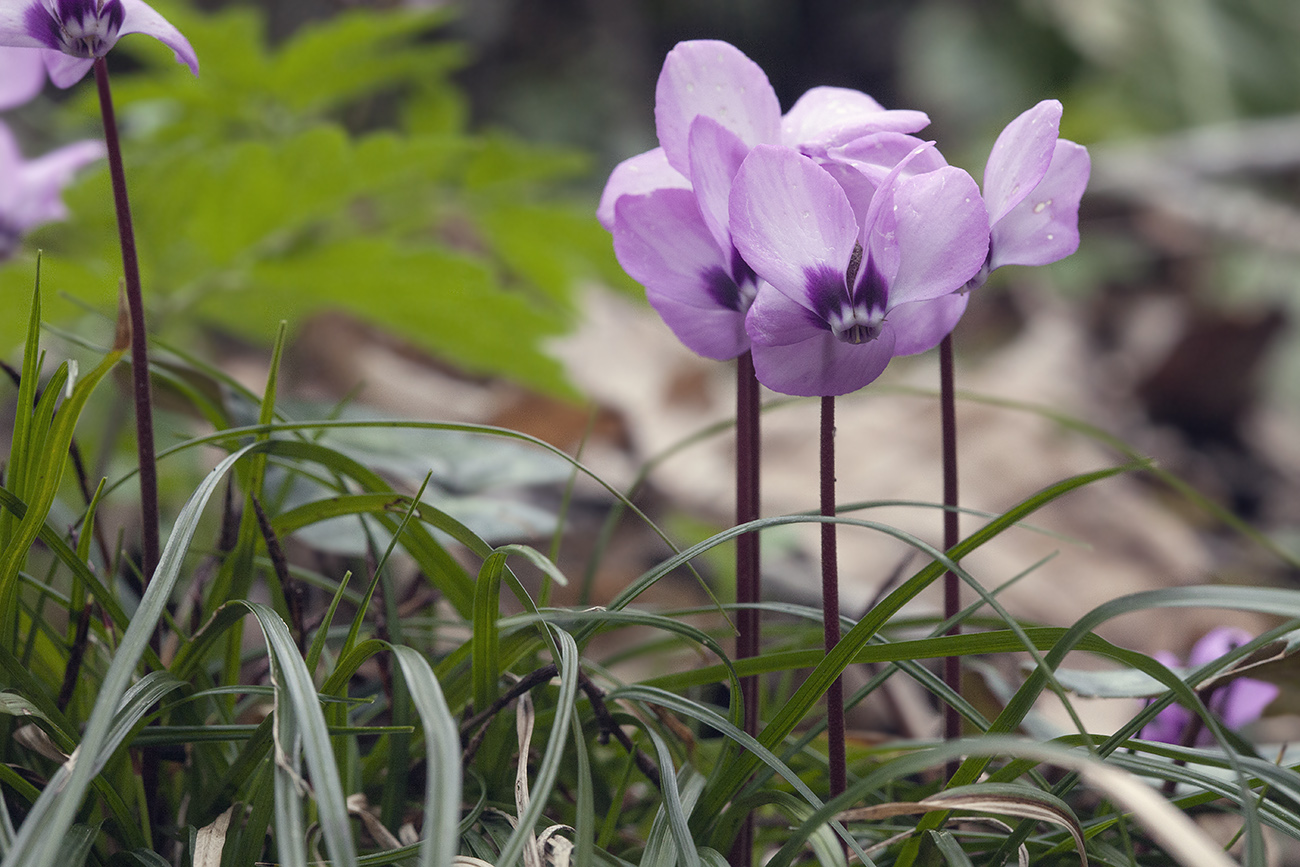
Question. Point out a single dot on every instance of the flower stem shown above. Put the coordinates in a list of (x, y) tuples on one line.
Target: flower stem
[(139, 353), (747, 565), (831, 601), (951, 584)]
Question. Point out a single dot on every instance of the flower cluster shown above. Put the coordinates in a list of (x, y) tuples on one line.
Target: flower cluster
[(1237, 703), (58, 39), (829, 239)]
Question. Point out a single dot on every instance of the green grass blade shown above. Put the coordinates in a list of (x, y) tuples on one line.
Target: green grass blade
[(669, 842), (20, 441), (548, 768), (76, 845), (442, 752), (302, 738), (45, 461)]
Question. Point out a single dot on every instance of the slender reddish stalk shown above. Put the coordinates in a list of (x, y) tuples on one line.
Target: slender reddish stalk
[(831, 601), (139, 353), (747, 565), (951, 584)]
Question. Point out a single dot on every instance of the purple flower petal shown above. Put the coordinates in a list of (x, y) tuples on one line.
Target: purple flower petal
[(141, 18), (1168, 726), (1241, 701), (66, 70), (15, 29), (636, 176), (921, 325), (857, 186), (814, 362), (826, 117), (1217, 643), (1237, 703), (1020, 157), (1044, 227), (22, 75), (1244, 701), (661, 240), (790, 218), (876, 155), (716, 155), (714, 79), (942, 234)]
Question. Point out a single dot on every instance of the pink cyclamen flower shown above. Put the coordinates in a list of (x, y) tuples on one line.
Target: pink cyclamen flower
[(76, 32), (22, 75), (668, 208), (851, 284), (1237, 703), (1033, 183), (30, 189)]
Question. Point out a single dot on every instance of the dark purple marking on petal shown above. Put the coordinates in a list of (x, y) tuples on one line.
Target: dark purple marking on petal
[(81, 28), (722, 289), (827, 293), (9, 239), (41, 25), (741, 273), (872, 292)]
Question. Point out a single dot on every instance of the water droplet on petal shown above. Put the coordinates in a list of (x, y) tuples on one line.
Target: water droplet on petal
[(1050, 237), (1041, 206)]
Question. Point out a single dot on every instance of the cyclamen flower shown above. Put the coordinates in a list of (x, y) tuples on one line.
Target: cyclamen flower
[(668, 207), (29, 190), (22, 75), (1033, 182), (76, 32), (1237, 702), (851, 284)]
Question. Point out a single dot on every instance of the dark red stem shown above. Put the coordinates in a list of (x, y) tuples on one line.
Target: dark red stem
[(139, 353), (831, 601), (951, 584), (747, 565)]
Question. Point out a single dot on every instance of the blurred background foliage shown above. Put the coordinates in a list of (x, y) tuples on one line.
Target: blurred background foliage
[(431, 167)]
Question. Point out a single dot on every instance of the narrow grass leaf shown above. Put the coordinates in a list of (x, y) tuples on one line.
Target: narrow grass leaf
[(1001, 799), (549, 767), (669, 843), (950, 849), (442, 786), (76, 845), (302, 738), (584, 804)]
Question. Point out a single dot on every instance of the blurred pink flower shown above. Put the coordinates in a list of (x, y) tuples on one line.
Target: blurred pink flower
[(22, 75), (30, 190), (1237, 703)]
